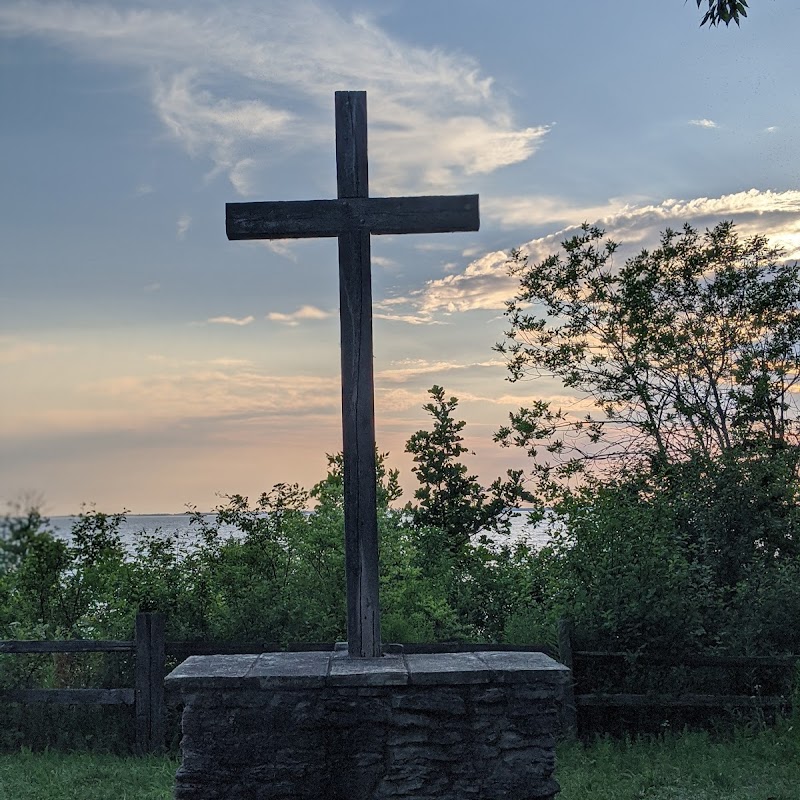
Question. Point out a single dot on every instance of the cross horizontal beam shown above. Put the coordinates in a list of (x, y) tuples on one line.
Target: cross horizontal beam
[(302, 219)]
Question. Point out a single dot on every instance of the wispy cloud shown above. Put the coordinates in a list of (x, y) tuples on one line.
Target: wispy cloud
[(703, 123), (218, 127), (407, 319), (517, 211), (183, 224), (151, 287), (296, 317), (220, 390), (410, 369), (241, 321), (434, 117), (485, 283), (14, 350), (230, 362), (282, 247)]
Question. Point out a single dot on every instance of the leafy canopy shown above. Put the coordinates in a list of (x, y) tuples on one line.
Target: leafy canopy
[(449, 498), (691, 348), (726, 11)]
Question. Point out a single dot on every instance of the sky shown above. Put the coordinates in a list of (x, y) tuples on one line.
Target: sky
[(147, 363)]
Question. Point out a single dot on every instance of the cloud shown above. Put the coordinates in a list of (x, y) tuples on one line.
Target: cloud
[(408, 319), (231, 362), (282, 247), (434, 117), (516, 211), (302, 313), (14, 350), (142, 189), (217, 127), (485, 283), (771, 129), (703, 123), (183, 224), (151, 287), (225, 391), (435, 247), (177, 395), (242, 321), (409, 369)]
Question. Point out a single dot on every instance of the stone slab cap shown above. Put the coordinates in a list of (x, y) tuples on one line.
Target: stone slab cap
[(518, 667), (209, 672), (291, 670), (317, 669), (447, 668), (389, 670)]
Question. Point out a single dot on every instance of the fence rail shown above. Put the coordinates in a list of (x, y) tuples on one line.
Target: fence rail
[(103, 697), (679, 701), (591, 659), (697, 660), (66, 646)]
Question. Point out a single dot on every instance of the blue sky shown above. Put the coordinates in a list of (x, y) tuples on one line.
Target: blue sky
[(147, 362)]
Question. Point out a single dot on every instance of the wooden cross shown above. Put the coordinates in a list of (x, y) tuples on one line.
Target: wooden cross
[(352, 218)]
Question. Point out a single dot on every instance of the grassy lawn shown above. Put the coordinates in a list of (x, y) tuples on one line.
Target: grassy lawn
[(85, 776), (748, 766), (689, 766)]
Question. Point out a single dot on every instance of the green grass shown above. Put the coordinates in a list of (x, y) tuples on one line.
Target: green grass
[(689, 766), (85, 776)]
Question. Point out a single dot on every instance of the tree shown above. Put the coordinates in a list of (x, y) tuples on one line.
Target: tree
[(330, 490), (693, 348), (726, 11), (679, 530), (451, 499)]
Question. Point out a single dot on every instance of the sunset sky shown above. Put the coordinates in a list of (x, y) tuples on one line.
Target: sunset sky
[(147, 363)]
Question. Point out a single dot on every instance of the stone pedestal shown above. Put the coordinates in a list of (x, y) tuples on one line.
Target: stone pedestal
[(290, 726)]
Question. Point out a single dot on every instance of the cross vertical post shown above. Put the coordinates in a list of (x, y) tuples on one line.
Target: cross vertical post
[(358, 392)]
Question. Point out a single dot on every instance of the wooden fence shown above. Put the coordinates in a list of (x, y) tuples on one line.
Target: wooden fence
[(150, 651), (147, 694), (586, 662)]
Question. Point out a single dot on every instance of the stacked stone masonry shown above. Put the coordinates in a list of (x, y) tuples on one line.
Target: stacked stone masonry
[(292, 726)]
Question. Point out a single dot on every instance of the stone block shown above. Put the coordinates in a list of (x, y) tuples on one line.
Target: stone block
[(441, 669), (291, 670), (385, 671), (448, 702)]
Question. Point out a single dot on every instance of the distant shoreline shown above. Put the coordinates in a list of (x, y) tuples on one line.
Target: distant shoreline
[(522, 510)]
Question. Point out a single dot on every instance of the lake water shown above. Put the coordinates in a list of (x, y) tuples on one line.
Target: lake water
[(179, 525)]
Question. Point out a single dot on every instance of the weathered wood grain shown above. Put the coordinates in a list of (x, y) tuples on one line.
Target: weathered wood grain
[(73, 697), (149, 682), (678, 701), (66, 646), (358, 406), (352, 165), (689, 659), (569, 716), (306, 219)]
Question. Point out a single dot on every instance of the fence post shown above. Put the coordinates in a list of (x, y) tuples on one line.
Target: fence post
[(569, 713), (149, 686)]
